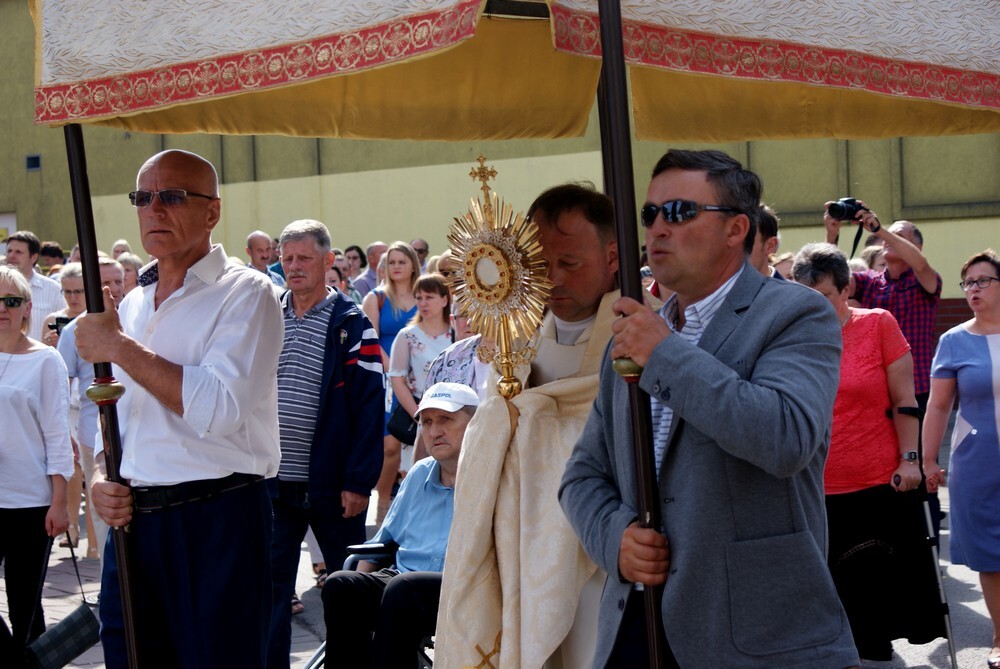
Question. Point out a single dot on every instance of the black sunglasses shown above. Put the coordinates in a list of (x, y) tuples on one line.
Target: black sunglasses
[(12, 301), (168, 197), (678, 211)]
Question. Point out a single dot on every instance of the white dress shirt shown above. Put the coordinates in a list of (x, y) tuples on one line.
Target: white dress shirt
[(224, 326), (46, 298), (35, 442)]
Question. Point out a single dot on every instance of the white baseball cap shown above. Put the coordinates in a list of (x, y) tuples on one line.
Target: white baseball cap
[(449, 397)]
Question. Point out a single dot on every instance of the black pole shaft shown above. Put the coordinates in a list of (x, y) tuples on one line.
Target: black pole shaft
[(616, 145), (87, 238), (606, 161)]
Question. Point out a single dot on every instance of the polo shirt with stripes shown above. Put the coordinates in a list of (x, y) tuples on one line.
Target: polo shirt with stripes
[(300, 375)]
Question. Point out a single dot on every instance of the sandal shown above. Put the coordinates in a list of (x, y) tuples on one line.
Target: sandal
[(297, 605), (321, 578)]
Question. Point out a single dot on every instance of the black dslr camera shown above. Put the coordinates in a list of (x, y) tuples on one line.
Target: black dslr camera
[(845, 209)]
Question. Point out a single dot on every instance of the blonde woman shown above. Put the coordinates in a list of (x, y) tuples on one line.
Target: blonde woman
[(390, 307), (131, 264), (119, 247), (71, 282), (36, 462)]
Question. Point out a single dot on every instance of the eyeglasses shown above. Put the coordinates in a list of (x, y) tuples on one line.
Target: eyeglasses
[(168, 197), (78, 291), (982, 282), (421, 252), (12, 301), (678, 211)]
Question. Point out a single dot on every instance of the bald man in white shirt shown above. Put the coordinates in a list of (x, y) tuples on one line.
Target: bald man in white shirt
[(196, 346)]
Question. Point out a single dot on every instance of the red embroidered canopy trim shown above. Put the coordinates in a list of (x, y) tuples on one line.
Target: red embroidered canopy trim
[(230, 74), (700, 53)]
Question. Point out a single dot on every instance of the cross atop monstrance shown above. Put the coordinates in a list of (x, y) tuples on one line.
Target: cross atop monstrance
[(501, 279), (484, 174)]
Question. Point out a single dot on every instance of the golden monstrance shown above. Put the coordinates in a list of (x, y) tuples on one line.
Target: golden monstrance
[(500, 279)]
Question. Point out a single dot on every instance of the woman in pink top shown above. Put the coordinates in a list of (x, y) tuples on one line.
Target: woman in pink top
[(885, 581)]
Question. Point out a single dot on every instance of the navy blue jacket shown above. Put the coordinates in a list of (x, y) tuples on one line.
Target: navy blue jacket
[(346, 451)]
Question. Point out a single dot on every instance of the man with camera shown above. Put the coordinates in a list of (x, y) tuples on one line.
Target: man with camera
[(908, 287)]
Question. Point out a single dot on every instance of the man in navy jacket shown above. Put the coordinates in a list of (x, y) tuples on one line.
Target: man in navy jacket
[(331, 401)]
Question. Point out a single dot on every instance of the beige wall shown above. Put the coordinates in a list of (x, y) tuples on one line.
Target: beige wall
[(404, 203), (361, 207)]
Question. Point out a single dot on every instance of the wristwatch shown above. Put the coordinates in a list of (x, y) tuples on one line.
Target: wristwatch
[(875, 228), (909, 456)]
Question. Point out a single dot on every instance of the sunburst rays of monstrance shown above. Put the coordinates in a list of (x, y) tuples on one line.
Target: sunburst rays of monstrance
[(500, 280)]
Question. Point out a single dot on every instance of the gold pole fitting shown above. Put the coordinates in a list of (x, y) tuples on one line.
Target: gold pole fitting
[(627, 368), (105, 391)]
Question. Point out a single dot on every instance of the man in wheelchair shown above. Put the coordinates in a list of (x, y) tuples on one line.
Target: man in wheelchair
[(378, 617)]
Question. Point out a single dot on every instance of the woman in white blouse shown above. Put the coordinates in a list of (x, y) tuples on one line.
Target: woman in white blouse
[(35, 461), (419, 343)]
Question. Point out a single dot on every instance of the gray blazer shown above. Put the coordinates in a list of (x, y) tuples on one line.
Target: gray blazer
[(741, 485)]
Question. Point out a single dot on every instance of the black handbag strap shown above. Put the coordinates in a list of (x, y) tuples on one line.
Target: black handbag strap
[(41, 585), (76, 568)]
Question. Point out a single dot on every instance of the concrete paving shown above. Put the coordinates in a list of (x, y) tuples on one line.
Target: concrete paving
[(970, 622)]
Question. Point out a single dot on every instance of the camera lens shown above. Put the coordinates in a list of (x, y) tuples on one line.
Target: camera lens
[(838, 211)]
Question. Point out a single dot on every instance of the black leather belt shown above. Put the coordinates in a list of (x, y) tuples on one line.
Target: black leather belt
[(155, 498)]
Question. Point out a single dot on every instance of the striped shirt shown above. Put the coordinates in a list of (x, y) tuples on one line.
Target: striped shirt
[(300, 376), (46, 298), (696, 319)]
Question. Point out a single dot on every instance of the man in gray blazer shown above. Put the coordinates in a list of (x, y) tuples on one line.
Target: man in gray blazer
[(742, 371)]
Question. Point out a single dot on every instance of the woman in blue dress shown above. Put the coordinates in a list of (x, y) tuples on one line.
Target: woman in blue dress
[(967, 363), (390, 307)]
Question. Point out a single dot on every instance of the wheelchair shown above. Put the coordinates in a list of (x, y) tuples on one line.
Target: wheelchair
[(383, 555)]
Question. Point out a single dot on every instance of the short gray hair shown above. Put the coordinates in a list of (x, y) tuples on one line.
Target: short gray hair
[(307, 227), (818, 261), (71, 270), (125, 259)]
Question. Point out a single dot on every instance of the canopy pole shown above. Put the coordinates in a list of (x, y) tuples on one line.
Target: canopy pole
[(616, 145), (105, 391)]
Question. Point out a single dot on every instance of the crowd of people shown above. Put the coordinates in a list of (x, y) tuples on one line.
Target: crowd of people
[(268, 397)]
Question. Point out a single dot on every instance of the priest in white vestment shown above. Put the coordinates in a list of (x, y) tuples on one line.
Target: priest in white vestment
[(515, 571)]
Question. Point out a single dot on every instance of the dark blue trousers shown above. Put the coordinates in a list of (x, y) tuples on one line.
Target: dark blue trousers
[(294, 511), (201, 584)]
